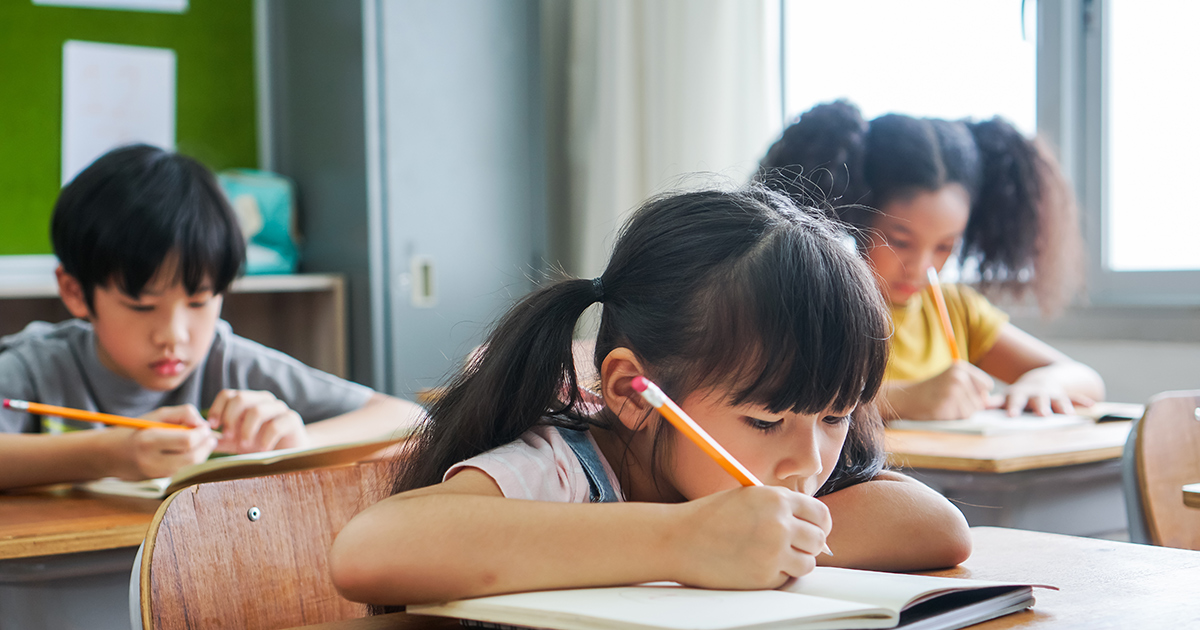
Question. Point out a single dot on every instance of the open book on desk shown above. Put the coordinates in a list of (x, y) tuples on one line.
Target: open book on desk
[(998, 422), (826, 599), (245, 465)]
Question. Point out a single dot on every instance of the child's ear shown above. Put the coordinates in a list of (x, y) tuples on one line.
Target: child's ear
[(71, 292), (616, 378)]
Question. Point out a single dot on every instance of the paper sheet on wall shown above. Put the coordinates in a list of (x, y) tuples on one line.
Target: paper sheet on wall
[(114, 95), (163, 6)]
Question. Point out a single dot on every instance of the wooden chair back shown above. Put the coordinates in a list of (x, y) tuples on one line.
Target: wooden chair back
[(1166, 458), (252, 553)]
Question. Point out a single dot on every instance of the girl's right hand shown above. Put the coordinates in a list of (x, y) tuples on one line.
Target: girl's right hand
[(150, 453), (751, 538), (958, 392)]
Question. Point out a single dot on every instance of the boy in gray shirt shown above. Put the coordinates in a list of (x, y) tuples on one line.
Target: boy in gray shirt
[(148, 245)]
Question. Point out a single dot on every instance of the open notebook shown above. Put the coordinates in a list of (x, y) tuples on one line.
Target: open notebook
[(998, 422), (242, 466), (826, 599)]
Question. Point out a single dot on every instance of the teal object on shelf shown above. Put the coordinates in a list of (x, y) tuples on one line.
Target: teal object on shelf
[(265, 209)]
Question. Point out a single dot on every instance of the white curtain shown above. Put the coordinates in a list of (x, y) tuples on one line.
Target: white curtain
[(661, 95)]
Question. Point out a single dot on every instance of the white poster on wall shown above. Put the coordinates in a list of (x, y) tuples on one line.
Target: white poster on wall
[(114, 95), (162, 6)]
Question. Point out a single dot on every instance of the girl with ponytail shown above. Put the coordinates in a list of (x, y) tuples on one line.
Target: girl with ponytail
[(768, 331), (914, 190)]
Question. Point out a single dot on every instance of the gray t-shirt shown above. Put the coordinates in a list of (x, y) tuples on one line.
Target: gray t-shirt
[(56, 364)]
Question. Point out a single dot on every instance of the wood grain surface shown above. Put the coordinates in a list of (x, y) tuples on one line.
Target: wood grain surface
[(60, 520), (1006, 453), (1102, 584), (208, 564)]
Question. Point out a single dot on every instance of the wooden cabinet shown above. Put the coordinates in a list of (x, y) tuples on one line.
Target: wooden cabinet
[(303, 315)]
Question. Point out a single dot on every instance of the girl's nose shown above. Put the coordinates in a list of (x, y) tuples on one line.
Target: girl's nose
[(803, 460)]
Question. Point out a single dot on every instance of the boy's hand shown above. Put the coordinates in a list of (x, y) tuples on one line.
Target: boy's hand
[(150, 453), (751, 538), (252, 421)]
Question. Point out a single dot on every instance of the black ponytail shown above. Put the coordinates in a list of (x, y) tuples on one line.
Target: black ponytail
[(1023, 228), (819, 161), (524, 372)]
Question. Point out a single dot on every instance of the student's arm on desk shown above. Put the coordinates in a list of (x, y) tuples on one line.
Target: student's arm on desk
[(895, 523), (1042, 378), (461, 538), (251, 421), (31, 459), (381, 415)]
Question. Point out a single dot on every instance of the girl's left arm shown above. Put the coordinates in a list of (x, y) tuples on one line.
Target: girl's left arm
[(1043, 380), (894, 523)]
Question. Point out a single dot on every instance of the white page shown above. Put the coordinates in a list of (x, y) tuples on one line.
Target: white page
[(671, 607), (158, 6), (994, 422), (890, 591), (114, 95)]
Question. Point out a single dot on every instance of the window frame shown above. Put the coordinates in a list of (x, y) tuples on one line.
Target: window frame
[(1106, 286)]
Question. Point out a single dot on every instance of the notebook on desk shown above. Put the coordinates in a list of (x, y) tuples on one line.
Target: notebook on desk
[(827, 599), (242, 466)]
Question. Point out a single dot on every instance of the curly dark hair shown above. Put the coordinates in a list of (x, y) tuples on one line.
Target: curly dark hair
[(1023, 229)]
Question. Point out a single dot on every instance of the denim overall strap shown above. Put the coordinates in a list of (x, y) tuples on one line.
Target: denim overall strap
[(601, 490)]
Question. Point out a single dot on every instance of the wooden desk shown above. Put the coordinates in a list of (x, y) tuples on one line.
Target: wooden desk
[(1103, 584), (66, 556), (1191, 495), (64, 520), (1066, 481), (1007, 453)]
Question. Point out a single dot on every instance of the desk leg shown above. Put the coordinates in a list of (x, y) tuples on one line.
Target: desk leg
[(73, 591), (1081, 500)]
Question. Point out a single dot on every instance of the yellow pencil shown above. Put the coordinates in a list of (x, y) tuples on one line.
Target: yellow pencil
[(88, 416), (935, 287), (680, 420)]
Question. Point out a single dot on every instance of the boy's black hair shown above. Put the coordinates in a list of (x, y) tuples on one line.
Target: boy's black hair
[(121, 218), (1022, 229), (739, 290)]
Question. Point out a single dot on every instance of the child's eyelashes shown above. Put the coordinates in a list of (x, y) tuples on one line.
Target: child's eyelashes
[(766, 426), (836, 420)]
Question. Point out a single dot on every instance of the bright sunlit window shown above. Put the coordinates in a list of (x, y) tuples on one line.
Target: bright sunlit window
[(1152, 134), (939, 58)]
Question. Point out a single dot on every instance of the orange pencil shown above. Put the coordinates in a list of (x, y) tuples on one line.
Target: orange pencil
[(935, 287), (679, 418), (88, 416)]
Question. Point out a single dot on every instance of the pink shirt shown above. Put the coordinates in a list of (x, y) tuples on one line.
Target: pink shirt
[(539, 466)]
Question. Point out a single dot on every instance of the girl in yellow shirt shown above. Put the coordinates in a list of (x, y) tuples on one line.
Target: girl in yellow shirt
[(917, 189)]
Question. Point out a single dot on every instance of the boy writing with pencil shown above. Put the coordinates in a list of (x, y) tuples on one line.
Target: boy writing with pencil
[(148, 245)]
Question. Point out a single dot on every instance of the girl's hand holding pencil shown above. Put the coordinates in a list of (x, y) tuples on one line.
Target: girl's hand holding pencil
[(777, 533)]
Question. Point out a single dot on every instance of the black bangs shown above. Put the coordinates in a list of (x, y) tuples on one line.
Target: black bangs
[(797, 324), (138, 211)]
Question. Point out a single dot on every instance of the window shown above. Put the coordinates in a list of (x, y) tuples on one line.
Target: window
[(1152, 132), (940, 58)]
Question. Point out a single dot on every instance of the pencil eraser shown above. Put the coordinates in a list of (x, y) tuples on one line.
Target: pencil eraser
[(639, 384)]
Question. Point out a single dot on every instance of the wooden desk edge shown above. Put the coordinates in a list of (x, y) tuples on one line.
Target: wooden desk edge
[(1005, 465), (1191, 495), (73, 542)]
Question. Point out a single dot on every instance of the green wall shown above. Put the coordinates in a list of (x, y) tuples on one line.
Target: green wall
[(214, 77)]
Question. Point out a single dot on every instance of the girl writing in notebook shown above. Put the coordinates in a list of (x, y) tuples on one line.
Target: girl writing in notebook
[(918, 189), (766, 330)]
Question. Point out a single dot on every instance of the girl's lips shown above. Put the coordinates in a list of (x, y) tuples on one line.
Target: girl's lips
[(168, 367)]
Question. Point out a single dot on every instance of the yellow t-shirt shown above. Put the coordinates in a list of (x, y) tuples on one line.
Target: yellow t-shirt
[(919, 347)]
